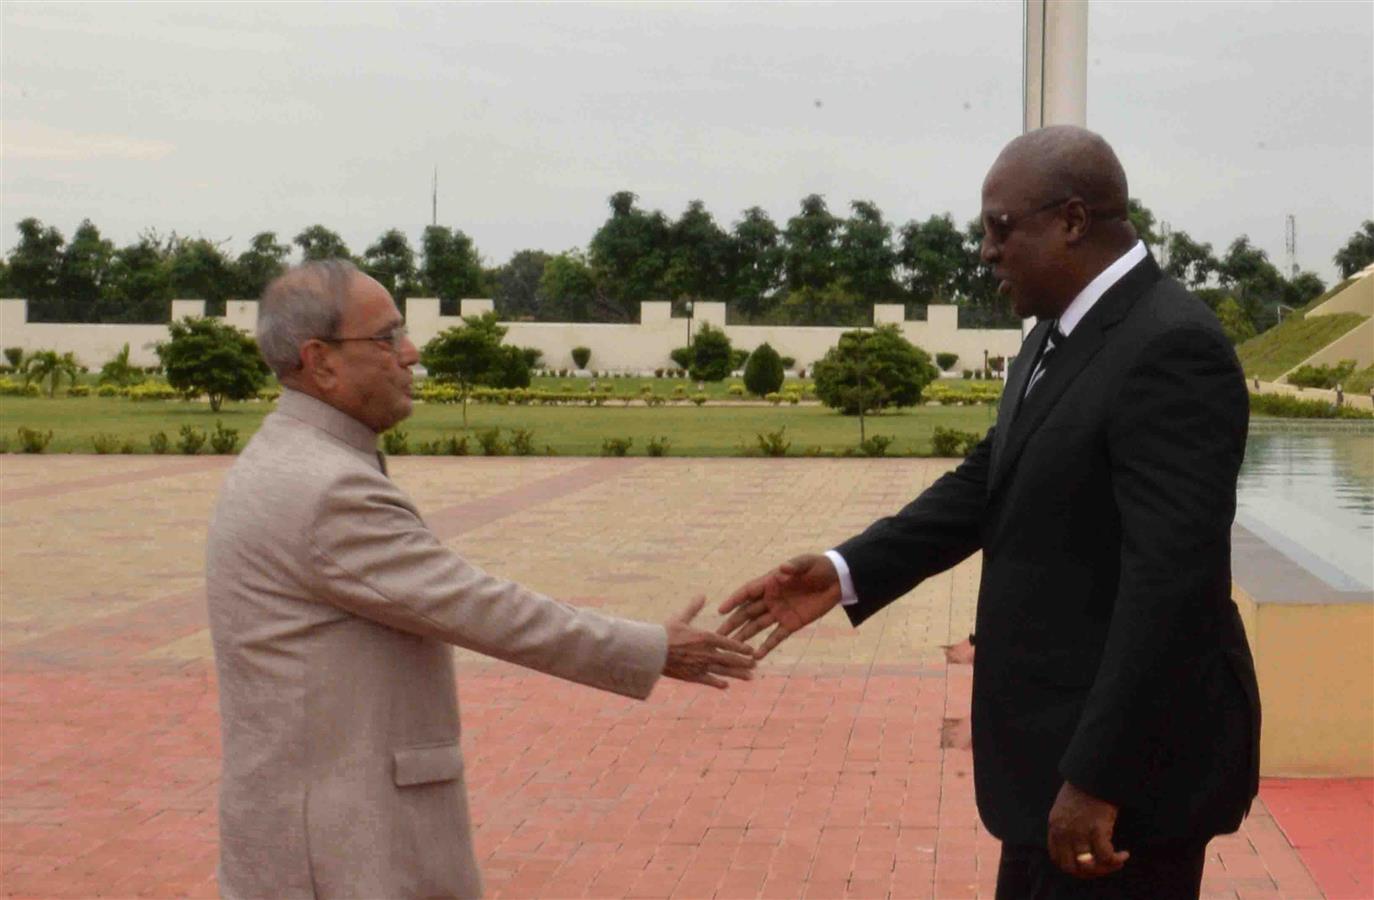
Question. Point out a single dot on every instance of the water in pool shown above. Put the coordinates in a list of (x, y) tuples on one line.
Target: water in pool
[(1311, 496)]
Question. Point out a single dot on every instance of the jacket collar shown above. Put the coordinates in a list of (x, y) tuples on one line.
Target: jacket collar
[(336, 423), (1019, 417)]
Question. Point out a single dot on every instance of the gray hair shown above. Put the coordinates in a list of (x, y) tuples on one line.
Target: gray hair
[(306, 302)]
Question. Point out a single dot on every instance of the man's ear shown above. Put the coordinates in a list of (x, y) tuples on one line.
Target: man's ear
[(1076, 221), (318, 365)]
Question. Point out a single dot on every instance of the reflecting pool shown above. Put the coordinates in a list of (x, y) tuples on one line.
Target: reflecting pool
[(1310, 495)]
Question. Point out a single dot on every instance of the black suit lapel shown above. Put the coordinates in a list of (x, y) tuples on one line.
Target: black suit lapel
[(1026, 415), (1015, 387)]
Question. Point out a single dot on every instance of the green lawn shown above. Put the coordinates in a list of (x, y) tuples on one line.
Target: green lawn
[(723, 430), (1287, 344)]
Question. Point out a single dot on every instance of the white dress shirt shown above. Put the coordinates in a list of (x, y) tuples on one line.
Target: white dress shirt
[(1068, 321)]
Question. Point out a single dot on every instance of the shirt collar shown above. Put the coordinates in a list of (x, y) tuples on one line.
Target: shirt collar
[(1074, 313), (336, 423)]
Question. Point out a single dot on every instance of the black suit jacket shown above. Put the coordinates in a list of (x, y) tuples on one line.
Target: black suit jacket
[(1109, 651)]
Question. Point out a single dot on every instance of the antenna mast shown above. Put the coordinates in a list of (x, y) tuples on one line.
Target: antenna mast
[(1290, 243), (434, 200)]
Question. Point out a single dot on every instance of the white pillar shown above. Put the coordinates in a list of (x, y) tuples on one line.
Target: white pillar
[(1056, 70), (1056, 57)]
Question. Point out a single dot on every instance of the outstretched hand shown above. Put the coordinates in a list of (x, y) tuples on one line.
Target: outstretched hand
[(790, 597), (704, 657)]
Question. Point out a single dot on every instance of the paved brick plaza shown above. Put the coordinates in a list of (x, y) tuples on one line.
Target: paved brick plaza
[(823, 778)]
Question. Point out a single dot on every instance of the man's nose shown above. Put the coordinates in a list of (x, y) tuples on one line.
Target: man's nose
[(410, 354), (987, 250)]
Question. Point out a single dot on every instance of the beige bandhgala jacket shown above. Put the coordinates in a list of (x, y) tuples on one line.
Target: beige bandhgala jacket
[(332, 608)]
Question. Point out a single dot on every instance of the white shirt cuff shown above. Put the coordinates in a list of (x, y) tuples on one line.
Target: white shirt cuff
[(847, 595)]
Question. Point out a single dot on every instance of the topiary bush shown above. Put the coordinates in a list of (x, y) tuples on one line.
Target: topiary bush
[(191, 440), (763, 372), (31, 440), (946, 361), (952, 442), (712, 356), (489, 439), (773, 443), (616, 446), (104, 443), (658, 446), (159, 443), (224, 441), (876, 445), (396, 442), (581, 356)]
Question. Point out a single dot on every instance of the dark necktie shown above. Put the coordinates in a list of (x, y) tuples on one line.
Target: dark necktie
[(1053, 341)]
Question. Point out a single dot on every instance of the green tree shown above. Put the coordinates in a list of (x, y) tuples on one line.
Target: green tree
[(981, 305), (198, 269), (1358, 252), (872, 370), (318, 242), (1254, 281), (263, 261), (84, 274), (833, 304), (864, 257), (118, 370), (140, 286), (516, 293), (629, 255), (763, 373), (711, 355), (933, 256), (391, 261), (35, 264), (756, 261), (698, 257), (1189, 261), (450, 268), (810, 255), (1301, 288), (1140, 217), (208, 356), (51, 367), (472, 354), (1234, 321), (568, 289)]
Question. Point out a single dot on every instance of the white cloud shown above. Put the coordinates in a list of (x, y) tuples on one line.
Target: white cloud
[(33, 141)]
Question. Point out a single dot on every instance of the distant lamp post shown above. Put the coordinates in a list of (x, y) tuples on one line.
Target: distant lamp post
[(688, 307)]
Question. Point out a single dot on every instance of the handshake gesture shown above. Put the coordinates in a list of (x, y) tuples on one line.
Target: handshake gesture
[(787, 599), (790, 597)]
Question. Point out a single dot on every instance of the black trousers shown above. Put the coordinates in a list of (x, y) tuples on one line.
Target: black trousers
[(1154, 872)]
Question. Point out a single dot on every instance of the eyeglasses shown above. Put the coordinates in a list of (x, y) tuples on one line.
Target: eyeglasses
[(1000, 227), (392, 340)]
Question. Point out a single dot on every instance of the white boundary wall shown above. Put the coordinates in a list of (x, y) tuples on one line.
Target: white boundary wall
[(637, 347)]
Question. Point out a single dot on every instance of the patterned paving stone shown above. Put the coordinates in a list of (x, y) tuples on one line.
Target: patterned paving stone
[(823, 778)]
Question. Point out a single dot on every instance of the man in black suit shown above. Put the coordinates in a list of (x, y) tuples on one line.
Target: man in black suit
[(1115, 709)]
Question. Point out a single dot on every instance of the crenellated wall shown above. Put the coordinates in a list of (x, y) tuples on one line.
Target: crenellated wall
[(632, 347)]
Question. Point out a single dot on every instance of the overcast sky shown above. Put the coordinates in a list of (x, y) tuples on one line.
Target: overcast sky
[(225, 120)]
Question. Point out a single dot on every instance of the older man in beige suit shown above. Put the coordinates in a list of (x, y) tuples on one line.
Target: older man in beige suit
[(333, 608)]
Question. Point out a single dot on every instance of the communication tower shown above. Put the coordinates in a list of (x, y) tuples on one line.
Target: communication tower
[(1290, 243)]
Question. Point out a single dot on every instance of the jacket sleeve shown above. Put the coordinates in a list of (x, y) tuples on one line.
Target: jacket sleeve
[(937, 530), (375, 558), (1175, 439)]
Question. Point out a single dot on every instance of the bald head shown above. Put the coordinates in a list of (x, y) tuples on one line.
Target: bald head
[(1067, 161)]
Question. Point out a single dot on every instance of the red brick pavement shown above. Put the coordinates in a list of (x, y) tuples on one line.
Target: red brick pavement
[(817, 780), (809, 784)]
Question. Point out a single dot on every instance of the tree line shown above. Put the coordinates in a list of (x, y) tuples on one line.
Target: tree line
[(817, 268)]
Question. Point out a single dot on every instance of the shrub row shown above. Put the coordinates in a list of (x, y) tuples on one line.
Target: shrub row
[(1290, 407), (946, 394)]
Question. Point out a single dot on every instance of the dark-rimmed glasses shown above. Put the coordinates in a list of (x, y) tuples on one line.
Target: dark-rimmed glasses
[(393, 340), (1001, 226)]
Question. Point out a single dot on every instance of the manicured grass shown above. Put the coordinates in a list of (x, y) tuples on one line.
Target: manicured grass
[(724, 430), (1287, 344)]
